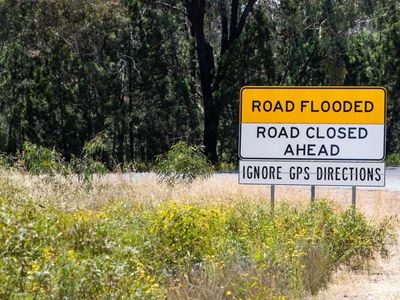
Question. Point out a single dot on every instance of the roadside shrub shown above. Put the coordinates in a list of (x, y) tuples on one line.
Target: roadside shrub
[(85, 168), (318, 267), (355, 241), (182, 164), (38, 160), (184, 232), (89, 164)]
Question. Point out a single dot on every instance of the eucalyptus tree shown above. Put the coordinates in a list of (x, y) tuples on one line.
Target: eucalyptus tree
[(60, 63), (233, 17)]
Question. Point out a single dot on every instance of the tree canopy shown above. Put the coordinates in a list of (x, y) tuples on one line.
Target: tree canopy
[(151, 73)]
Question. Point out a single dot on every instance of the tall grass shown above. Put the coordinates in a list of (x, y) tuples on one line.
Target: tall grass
[(60, 240)]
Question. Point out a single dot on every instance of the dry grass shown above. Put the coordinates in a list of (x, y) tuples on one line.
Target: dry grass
[(142, 187), (224, 188), (381, 282)]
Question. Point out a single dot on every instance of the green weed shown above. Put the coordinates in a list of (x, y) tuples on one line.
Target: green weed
[(182, 164), (171, 250)]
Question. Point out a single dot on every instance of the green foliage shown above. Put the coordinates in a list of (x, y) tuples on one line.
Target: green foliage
[(68, 75), (96, 146), (39, 160), (67, 255), (393, 159), (130, 69), (182, 164), (354, 240), (90, 163), (86, 168), (127, 250), (6, 161), (184, 232)]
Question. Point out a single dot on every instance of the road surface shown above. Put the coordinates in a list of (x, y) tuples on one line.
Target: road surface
[(393, 178)]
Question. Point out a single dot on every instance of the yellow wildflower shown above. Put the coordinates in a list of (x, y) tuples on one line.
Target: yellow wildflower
[(35, 287), (71, 254), (35, 267), (101, 215), (47, 254)]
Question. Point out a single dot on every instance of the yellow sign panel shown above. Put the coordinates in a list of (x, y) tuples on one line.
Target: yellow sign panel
[(313, 105)]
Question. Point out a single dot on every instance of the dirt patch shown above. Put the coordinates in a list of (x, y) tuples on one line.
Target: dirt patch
[(381, 282)]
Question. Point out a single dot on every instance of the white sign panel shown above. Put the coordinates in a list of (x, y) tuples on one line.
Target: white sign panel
[(305, 141), (312, 173)]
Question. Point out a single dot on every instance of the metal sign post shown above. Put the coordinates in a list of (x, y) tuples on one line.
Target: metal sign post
[(272, 197), (312, 193), (353, 196)]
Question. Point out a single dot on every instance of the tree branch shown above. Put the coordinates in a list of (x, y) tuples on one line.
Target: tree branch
[(243, 18), (224, 25), (234, 16), (173, 7)]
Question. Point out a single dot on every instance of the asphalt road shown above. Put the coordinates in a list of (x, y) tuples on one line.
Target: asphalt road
[(393, 178)]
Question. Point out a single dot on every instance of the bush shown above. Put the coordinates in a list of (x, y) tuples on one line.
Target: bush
[(38, 160), (182, 164), (355, 241), (90, 161)]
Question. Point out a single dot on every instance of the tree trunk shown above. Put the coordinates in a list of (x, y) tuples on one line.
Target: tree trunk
[(211, 113), (210, 138), (209, 81), (205, 55)]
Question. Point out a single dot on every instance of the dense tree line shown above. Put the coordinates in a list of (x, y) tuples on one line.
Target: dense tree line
[(150, 73)]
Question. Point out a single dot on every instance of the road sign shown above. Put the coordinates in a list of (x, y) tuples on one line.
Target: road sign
[(312, 123), (312, 173)]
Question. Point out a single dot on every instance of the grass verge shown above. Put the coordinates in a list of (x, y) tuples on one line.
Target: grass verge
[(139, 249)]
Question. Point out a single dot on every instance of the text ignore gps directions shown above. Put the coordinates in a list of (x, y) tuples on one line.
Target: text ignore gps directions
[(312, 173), (312, 123)]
